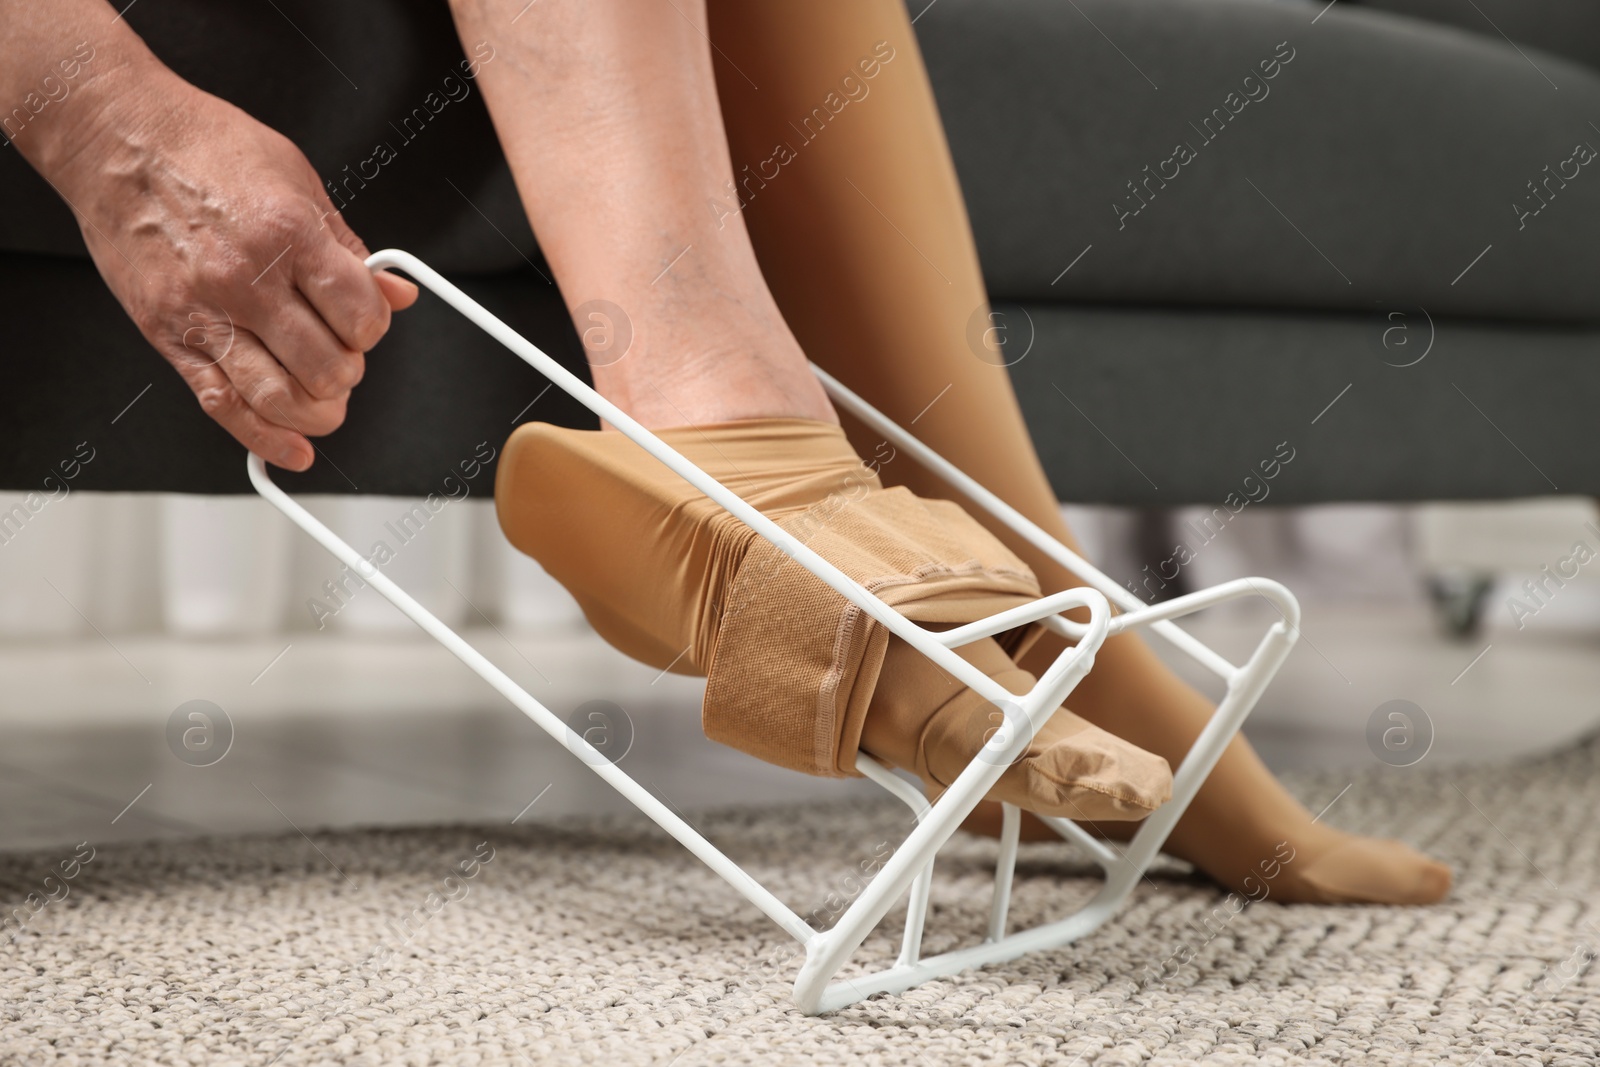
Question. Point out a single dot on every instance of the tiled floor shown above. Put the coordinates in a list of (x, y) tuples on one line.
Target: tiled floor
[(342, 731)]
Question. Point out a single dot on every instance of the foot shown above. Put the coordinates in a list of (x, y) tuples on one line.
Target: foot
[(924, 720), (1344, 868), (1306, 863), (1243, 829), (667, 576), (1073, 769)]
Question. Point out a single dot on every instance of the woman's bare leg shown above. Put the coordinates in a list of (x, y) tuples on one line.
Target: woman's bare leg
[(608, 115), (863, 237)]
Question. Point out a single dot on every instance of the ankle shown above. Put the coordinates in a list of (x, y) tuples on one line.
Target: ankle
[(715, 385)]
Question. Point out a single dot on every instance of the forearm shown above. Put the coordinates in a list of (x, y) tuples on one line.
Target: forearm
[(72, 70)]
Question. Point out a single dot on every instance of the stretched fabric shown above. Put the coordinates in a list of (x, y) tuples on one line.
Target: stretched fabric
[(667, 576)]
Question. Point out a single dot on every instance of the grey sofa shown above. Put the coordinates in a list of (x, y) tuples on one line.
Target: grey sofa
[(1336, 262)]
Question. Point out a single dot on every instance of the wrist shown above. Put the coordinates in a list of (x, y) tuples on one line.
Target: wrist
[(121, 92)]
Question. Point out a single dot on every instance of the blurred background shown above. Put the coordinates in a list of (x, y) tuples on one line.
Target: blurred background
[(325, 706)]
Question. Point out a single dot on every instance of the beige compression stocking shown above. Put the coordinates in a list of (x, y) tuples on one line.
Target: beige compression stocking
[(863, 238), (926, 721), (796, 674)]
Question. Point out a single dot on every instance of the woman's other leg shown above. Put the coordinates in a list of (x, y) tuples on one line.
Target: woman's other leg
[(849, 192)]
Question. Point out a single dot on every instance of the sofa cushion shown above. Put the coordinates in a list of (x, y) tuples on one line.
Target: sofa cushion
[(1153, 406), (1377, 164), (1569, 28)]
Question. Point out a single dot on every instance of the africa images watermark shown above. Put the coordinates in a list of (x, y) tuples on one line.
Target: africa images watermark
[(405, 528), (51, 90), (1253, 490), (852, 89), (451, 90), (1552, 579), (1257, 887), (1255, 90), (844, 892), (56, 488), (1583, 154), (56, 889), (451, 888)]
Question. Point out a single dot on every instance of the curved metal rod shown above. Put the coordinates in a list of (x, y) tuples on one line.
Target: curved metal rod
[(1051, 605), (1004, 869), (1274, 593), (917, 906), (1025, 527)]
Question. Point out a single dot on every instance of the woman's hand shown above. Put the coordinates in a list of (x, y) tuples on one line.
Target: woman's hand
[(215, 234)]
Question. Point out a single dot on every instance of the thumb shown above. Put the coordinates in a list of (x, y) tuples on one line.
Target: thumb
[(397, 291)]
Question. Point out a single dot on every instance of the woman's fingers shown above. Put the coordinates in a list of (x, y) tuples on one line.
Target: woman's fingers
[(221, 400), (303, 342), (275, 395)]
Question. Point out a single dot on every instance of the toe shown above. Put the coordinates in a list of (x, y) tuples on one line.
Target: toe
[(1366, 870)]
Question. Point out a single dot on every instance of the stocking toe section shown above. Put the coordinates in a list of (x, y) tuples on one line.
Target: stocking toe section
[(1369, 870), (1092, 774)]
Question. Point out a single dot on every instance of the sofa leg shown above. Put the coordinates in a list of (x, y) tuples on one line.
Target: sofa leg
[(1458, 598)]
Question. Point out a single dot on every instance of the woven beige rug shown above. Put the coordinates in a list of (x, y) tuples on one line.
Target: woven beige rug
[(608, 944)]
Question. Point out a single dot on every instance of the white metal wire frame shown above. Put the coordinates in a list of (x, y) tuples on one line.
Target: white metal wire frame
[(911, 865)]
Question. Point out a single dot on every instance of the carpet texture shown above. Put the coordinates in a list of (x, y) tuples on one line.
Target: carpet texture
[(607, 943)]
